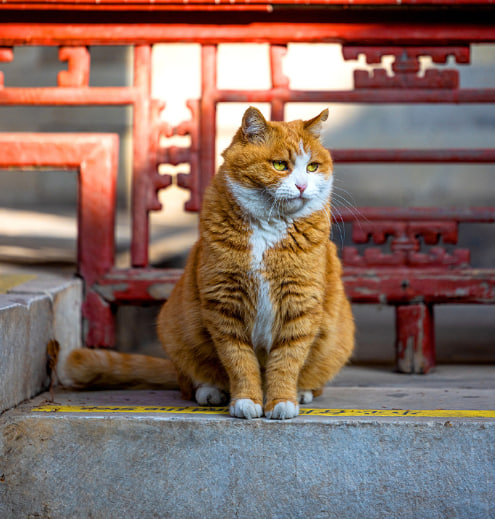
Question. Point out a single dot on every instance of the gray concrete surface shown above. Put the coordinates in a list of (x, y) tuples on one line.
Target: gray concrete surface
[(143, 465), (31, 313)]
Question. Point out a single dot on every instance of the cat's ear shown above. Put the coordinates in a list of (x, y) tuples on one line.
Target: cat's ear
[(314, 125), (254, 126)]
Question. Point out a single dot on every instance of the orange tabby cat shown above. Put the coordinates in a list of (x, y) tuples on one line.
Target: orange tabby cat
[(260, 312)]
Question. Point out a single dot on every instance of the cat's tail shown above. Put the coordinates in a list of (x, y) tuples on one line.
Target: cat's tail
[(86, 368)]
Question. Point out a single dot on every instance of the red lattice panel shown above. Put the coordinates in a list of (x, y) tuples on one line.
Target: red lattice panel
[(95, 157), (417, 272)]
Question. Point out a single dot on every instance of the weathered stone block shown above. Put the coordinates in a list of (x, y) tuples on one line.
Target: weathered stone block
[(30, 315)]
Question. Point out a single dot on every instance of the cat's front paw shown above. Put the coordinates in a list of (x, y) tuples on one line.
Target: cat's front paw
[(304, 396), (281, 410), (245, 408), (210, 395)]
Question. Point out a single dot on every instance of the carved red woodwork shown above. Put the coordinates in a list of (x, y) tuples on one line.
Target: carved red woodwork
[(77, 74), (95, 157), (402, 257), (405, 244), (406, 66), (6, 55)]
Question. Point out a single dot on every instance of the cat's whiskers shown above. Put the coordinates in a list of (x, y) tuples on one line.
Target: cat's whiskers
[(280, 204), (277, 205), (273, 206), (328, 214), (341, 201), (350, 204), (339, 223)]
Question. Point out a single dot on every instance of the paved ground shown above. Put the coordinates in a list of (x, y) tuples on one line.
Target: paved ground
[(449, 387), (167, 460)]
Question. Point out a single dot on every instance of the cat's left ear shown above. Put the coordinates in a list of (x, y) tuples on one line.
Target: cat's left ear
[(254, 125), (314, 125)]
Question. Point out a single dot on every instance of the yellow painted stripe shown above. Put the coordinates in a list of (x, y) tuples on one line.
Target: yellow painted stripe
[(433, 413), (10, 281)]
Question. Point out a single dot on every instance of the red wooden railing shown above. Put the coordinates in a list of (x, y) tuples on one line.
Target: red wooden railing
[(410, 279)]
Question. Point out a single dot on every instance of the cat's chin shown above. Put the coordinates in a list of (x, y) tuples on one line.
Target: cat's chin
[(293, 205)]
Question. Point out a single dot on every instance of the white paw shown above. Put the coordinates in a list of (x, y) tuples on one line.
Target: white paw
[(209, 395), (283, 411), (245, 408), (305, 396)]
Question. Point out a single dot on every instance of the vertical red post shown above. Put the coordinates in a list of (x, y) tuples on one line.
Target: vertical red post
[(415, 338), (207, 116), (96, 228), (280, 82), (95, 155), (142, 188)]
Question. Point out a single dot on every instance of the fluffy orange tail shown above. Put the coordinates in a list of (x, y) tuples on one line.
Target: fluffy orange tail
[(86, 368)]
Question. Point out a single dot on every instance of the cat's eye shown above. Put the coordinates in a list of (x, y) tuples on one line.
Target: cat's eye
[(280, 165), (312, 167)]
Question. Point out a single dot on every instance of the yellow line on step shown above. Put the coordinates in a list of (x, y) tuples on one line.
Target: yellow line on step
[(10, 281), (429, 413)]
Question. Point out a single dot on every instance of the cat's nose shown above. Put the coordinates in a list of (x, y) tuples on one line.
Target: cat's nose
[(301, 187)]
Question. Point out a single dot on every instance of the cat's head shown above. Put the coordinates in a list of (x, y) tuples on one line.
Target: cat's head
[(279, 169)]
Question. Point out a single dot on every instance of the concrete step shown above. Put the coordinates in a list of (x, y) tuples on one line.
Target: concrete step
[(34, 308), (376, 445)]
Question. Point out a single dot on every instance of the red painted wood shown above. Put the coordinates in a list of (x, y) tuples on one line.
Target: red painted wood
[(279, 80), (452, 156), (220, 5), (382, 285), (142, 192), (77, 74), (137, 285), (272, 31), (370, 286), (207, 120), (406, 66), (6, 55), (466, 215), (95, 156), (368, 96), (415, 342)]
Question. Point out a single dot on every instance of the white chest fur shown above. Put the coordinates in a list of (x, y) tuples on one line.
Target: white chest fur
[(264, 237), (270, 217)]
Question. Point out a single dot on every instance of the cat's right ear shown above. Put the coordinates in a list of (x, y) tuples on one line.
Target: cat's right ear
[(314, 125), (254, 126)]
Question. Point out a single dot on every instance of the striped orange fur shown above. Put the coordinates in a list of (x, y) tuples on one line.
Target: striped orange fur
[(260, 313), (88, 368)]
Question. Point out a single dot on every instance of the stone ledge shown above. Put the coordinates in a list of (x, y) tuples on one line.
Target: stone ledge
[(39, 308), (121, 464)]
